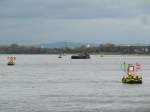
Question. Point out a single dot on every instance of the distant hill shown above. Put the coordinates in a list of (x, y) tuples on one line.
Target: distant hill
[(61, 45)]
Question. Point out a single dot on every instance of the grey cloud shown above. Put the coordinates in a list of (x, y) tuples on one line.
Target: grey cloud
[(71, 9), (40, 21), (144, 20), (33, 31)]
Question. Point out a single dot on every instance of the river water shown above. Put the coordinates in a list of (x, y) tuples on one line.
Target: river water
[(46, 83)]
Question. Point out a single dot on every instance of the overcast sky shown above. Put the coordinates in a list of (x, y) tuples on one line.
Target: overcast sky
[(92, 21)]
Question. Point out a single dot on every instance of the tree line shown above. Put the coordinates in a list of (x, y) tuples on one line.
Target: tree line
[(108, 48)]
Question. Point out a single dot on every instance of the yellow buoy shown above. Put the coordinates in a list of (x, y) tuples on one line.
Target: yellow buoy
[(133, 76), (11, 60)]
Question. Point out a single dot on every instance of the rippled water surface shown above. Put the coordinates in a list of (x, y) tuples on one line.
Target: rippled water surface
[(45, 83)]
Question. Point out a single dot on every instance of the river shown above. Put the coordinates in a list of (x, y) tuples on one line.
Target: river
[(46, 83)]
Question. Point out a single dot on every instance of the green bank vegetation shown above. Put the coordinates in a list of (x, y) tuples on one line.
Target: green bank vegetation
[(101, 49)]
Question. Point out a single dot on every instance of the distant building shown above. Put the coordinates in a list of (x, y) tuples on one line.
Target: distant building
[(42, 46), (88, 45)]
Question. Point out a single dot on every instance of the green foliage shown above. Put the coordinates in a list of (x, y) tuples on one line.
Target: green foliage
[(102, 48)]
